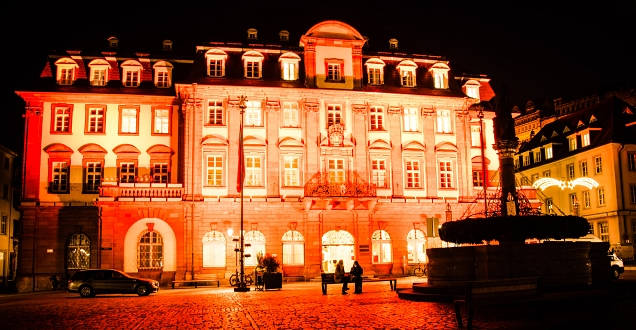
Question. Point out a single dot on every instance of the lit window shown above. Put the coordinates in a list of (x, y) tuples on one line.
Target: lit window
[(603, 229), (475, 136), (215, 59), (93, 176), (59, 177), (291, 172), (336, 171), (526, 160), (444, 121), (548, 152), (215, 113), (378, 173), (129, 120), (163, 71), (631, 161), (410, 119), (375, 71), (253, 171), (376, 118), (255, 244), (598, 165), (601, 196), (478, 178), (585, 140), (407, 69), (150, 254), (160, 173), (214, 244), (293, 248), (334, 114), (583, 168), (253, 113), (78, 252), (289, 66), (334, 71), (66, 71), (416, 242), (215, 171), (252, 64), (62, 118), (412, 174), (570, 171), (99, 72), (548, 205), (161, 121), (440, 75), (290, 114), (586, 199), (445, 174), (127, 172), (572, 143), (573, 202), (131, 73), (472, 89), (162, 80), (381, 247), (537, 155)]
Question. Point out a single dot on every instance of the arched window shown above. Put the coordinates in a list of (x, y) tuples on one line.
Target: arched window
[(214, 249), (78, 252), (256, 239), (381, 247), (150, 251), (293, 248), (416, 246)]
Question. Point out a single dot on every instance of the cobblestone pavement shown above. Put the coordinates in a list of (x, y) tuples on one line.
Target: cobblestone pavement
[(297, 306)]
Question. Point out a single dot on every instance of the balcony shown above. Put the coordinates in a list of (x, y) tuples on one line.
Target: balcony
[(140, 192), (353, 185)]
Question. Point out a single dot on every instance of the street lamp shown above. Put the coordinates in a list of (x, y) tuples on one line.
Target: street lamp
[(242, 287), (449, 213), (484, 170), (575, 206)]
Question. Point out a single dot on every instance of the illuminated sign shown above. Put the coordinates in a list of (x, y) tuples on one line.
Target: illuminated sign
[(544, 183)]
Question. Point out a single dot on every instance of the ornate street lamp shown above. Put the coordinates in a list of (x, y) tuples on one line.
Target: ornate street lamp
[(484, 169)]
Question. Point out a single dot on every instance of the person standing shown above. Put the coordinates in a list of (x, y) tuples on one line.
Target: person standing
[(356, 276), (340, 276)]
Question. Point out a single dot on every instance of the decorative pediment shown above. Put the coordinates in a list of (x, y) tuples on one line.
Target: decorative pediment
[(214, 139), (58, 148), (446, 146), (580, 124), (543, 138), (566, 129), (477, 160), (554, 134), (126, 149), (311, 105), (414, 146), (379, 145), (360, 108), (394, 110), (592, 119), (628, 111), (159, 149), (272, 104), (290, 142), (92, 148), (252, 141)]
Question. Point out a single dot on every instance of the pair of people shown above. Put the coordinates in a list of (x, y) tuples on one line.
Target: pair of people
[(355, 275)]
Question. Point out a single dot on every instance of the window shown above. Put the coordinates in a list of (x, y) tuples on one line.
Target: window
[(161, 121), (252, 33), (475, 136), (214, 244), (293, 248), (440, 75), (291, 172), (336, 171), (375, 71), (98, 72), (5, 191), (95, 119), (586, 199), (570, 171), (548, 205), (163, 73), (3, 224), (334, 114), (632, 193), (572, 143), (253, 171), (381, 247), (290, 114), (601, 196), (257, 241), (534, 178), (160, 173), (129, 119), (472, 89), (407, 69), (150, 254), (631, 161), (585, 140), (127, 172), (416, 242), (283, 35), (603, 229), (131, 73), (214, 170), (378, 173), (537, 155), (253, 113), (59, 182), (410, 119), (62, 119), (162, 80), (215, 113), (598, 165), (334, 70), (216, 62), (548, 152), (526, 160), (289, 66), (445, 174), (478, 179), (93, 177), (584, 168), (444, 121), (574, 202), (252, 64), (78, 252), (66, 71), (546, 174), (376, 118), (412, 174), (66, 76)]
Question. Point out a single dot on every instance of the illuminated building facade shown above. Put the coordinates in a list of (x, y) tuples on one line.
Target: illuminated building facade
[(9, 216), (585, 163), (350, 153)]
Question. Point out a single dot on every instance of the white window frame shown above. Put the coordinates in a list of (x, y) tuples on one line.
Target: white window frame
[(214, 249), (253, 113), (440, 75), (337, 170), (63, 113), (291, 171), (99, 72), (60, 173), (334, 114), (411, 118), (253, 171), (375, 71), (129, 120), (95, 121), (379, 175), (334, 70), (381, 248), (376, 118), (127, 172), (603, 231), (600, 193), (131, 73), (93, 176), (215, 171), (585, 139), (150, 257), (446, 174), (584, 169), (444, 121), (537, 155), (572, 142), (66, 68), (475, 136), (289, 65), (253, 65), (631, 161), (526, 160), (161, 124), (215, 113), (408, 73), (472, 89), (548, 152), (293, 248), (413, 174), (586, 199), (570, 171), (218, 57), (290, 114), (598, 165)]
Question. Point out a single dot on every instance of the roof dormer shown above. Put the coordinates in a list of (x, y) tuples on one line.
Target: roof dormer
[(66, 71), (252, 34), (283, 35), (113, 42), (167, 45), (393, 43)]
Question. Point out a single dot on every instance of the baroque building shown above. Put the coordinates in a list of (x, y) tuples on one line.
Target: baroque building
[(132, 159)]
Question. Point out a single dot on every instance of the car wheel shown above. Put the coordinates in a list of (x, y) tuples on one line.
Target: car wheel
[(615, 273), (142, 290), (86, 291)]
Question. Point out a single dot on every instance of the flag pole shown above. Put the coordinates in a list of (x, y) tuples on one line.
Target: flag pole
[(242, 286)]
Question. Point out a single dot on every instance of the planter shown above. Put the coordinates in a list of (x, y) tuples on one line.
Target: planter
[(273, 281)]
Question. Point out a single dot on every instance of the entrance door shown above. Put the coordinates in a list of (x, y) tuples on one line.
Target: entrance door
[(337, 245)]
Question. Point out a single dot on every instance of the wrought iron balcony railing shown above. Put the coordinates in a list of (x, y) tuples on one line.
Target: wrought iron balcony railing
[(352, 185)]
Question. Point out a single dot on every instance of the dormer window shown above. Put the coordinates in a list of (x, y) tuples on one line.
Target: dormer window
[(252, 64), (99, 72), (393, 43), (289, 66), (283, 35), (375, 71), (66, 71), (167, 45), (163, 74), (572, 142), (407, 73), (252, 34), (113, 42), (334, 68), (131, 73), (472, 89), (216, 62), (440, 75)]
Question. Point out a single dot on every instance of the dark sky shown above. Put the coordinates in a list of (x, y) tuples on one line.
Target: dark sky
[(538, 49)]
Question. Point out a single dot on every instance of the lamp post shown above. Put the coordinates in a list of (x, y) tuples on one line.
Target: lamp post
[(242, 287), (575, 206), (484, 170)]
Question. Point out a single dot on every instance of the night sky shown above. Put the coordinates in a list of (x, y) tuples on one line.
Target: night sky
[(538, 50)]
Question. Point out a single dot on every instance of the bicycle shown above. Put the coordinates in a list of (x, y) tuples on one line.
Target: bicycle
[(419, 271), (234, 279)]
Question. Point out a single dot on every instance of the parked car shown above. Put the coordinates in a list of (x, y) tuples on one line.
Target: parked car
[(617, 265), (92, 281)]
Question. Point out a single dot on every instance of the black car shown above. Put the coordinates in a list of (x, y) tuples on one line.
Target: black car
[(92, 281)]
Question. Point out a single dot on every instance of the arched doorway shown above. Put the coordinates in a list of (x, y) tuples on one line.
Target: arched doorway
[(337, 245)]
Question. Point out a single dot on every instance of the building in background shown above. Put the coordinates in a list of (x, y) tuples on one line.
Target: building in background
[(132, 158), (9, 218)]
